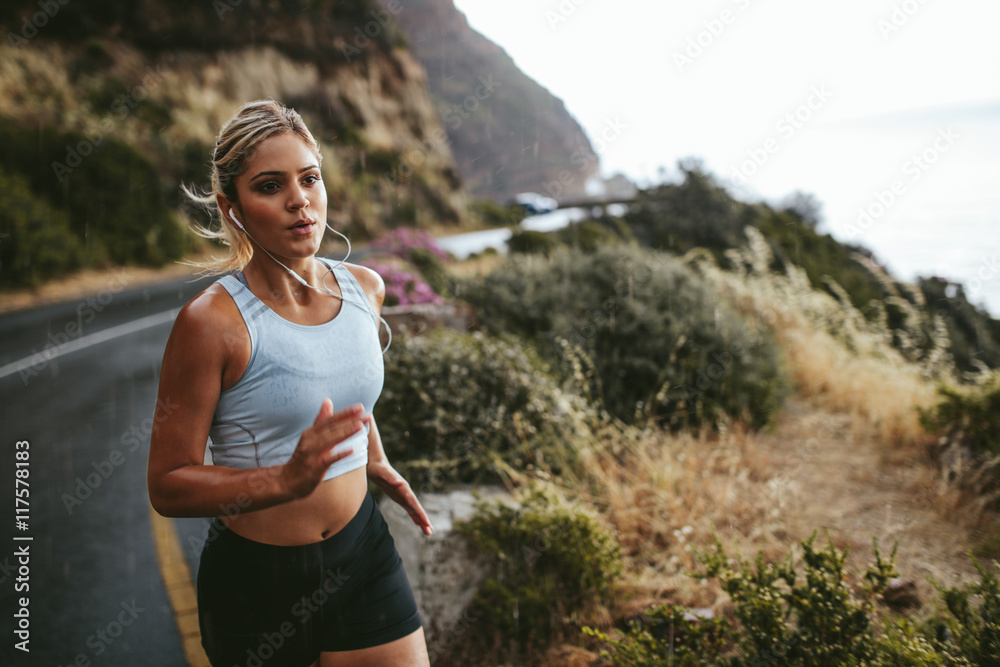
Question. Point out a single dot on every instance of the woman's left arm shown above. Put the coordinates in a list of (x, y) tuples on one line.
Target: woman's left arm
[(385, 477), (380, 471)]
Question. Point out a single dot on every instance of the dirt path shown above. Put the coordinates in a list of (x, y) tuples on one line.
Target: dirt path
[(830, 474)]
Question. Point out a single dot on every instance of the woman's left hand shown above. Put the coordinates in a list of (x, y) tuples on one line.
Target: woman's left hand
[(393, 485)]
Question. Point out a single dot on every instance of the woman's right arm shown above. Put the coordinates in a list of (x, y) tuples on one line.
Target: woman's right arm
[(202, 347)]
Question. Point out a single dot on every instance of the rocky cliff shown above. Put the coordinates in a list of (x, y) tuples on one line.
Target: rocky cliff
[(161, 77), (508, 133)]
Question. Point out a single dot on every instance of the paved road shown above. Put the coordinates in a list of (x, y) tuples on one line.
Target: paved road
[(96, 594), (78, 383)]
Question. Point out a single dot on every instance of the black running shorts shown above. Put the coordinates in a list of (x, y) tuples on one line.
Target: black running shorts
[(261, 604)]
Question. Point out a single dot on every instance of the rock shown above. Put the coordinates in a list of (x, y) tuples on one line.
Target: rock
[(699, 614), (443, 571), (570, 656), (901, 594)]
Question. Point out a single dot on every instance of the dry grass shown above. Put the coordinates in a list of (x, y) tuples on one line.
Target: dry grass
[(667, 496), (833, 352), (846, 457)]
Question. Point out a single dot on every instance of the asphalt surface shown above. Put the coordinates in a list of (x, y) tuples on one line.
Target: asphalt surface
[(94, 590), (78, 383)]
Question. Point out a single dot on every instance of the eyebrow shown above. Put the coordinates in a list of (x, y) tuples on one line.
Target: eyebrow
[(281, 173)]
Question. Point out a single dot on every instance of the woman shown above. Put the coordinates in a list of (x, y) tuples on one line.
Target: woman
[(304, 572)]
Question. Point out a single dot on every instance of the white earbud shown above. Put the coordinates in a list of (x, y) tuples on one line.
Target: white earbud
[(324, 289), (238, 223)]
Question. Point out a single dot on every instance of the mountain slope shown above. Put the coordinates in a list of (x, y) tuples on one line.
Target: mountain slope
[(154, 81), (509, 137)]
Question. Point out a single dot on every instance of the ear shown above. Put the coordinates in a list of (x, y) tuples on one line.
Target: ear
[(228, 210)]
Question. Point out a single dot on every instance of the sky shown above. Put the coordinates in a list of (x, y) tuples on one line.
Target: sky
[(860, 102), (644, 62)]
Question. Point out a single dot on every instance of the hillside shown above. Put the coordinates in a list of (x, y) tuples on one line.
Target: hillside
[(106, 108), (515, 139)]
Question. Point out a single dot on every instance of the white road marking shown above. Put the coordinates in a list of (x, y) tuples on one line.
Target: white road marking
[(54, 352)]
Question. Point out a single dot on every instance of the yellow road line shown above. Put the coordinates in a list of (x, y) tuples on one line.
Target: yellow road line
[(180, 587)]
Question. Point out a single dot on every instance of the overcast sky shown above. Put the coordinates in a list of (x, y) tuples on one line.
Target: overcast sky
[(833, 98), (634, 60)]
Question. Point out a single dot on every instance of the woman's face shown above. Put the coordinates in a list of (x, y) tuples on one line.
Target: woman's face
[(282, 198)]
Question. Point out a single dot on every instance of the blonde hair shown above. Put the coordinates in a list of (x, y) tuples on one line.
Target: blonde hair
[(238, 139)]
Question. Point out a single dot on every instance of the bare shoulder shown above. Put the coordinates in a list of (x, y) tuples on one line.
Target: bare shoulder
[(210, 321), (371, 282)]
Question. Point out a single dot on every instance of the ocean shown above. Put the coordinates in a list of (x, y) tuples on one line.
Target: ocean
[(920, 190)]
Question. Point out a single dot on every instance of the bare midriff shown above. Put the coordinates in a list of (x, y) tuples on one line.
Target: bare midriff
[(321, 514)]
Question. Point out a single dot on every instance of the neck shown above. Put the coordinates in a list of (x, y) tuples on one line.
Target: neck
[(279, 282)]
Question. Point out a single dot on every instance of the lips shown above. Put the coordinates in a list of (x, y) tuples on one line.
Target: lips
[(303, 227)]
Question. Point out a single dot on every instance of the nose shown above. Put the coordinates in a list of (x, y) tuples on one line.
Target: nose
[(297, 197)]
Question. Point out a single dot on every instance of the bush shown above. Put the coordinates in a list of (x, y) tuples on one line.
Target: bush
[(530, 242), (816, 621), (592, 235), (467, 407), (36, 242), (972, 630), (665, 635), (496, 215), (403, 287), (779, 619), (974, 334), (975, 411), (553, 564), (587, 236), (110, 192), (822, 258), (663, 346), (698, 212)]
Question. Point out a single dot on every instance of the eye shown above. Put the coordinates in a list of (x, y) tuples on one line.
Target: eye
[(270, 186), (311, 179)]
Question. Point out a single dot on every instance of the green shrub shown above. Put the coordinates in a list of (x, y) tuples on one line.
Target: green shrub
[(698, 212), (467, 407), (974, 334), (36, 242), (592, 235), (553, 564), (531, 242), (973, 410), (779, 619), (820, 256), (111, 193), (496, 215), (434, 271), (666, 635), (783, 618), (973, 630), (663, 345)]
